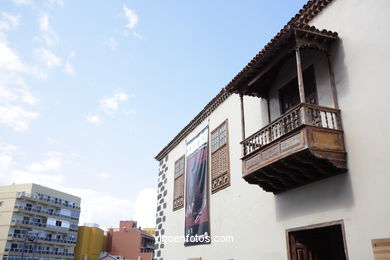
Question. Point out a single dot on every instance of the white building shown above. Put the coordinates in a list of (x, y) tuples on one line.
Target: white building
[(310, 179)]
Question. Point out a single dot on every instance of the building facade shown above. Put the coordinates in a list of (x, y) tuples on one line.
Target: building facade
[(130, 242), (150, 231), (91, 242), (289, 159), (37, 222)]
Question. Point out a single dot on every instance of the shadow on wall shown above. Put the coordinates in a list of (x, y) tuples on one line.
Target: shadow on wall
[(337, 59), (331, 193), (322, 196)]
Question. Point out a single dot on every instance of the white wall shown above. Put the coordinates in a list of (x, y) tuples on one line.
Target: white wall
[(289, 71), (257, 219)]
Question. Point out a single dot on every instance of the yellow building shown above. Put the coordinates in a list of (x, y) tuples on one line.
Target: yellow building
[(150, 231), (91, 241)]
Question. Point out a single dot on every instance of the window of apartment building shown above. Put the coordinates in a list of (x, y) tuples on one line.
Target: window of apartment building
[(220, 166), (178, 191), (289, 93)]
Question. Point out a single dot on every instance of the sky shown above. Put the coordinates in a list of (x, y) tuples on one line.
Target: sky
[(91, 91)]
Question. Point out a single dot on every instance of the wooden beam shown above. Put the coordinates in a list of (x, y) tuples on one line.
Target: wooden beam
[(283, 52), (300, 75), (332, 83), (268, 109)]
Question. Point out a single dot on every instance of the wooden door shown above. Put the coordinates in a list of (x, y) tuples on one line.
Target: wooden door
[(317, 244)]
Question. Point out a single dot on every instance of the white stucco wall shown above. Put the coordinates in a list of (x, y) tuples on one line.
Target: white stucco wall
[(258, 220), (289, 71)]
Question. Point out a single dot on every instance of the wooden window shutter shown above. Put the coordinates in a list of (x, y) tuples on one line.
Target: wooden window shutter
[(220, 164), (178, 190)]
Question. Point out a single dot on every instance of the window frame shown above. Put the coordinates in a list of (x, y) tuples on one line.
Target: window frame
[(175, 178), (214, 151)]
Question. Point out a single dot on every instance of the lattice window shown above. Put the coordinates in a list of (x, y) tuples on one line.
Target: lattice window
[(178, 191), (220, 165)]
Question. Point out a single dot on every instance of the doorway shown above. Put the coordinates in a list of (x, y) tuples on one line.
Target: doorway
[(321, 242)]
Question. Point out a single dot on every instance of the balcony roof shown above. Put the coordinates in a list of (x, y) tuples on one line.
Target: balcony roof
[(255, 78)]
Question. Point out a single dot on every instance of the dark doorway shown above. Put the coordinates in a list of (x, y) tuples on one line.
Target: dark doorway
[(289, 93), (322, 243)]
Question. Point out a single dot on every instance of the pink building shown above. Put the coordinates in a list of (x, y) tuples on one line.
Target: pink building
[(130, 242)]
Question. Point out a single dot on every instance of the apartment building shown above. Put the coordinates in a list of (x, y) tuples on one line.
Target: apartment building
[(37, 222), (290, 157), (130, 242)]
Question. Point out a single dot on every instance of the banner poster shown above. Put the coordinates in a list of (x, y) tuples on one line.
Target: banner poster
[(197, 228)]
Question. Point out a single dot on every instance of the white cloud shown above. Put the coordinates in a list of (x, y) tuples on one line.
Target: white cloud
[(7, 149), (94, 119), (137, 35), (47, 35), (8, 21), (131, 16), (20, 177), (92, 210), (103, 176), (14, 93), (129, 112), (111, 104), (48, 57), (69, 69), (5, 161), (52, 162), (145, 208), (10, 62), (111, 43), (16, 117), (68, 66), (44, 23), (58, 2), (22, 2), (141, 209)]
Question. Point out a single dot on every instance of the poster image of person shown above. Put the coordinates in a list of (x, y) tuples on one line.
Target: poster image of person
[(197, 230)]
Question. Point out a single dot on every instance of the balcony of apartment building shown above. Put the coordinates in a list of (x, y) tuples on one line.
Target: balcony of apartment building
[(36, 249), (147, 244), (302, 140), (42, 224), (11, 257), (44, 238), (42, 210), (48, 200)]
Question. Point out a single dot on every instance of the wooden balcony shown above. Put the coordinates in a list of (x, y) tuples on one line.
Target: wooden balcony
[(304, 145)]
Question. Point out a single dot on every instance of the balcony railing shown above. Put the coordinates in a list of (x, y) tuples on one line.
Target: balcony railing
[(302, 114), (43, 211), (50, 200), (40, 224), (47, 239), (16, 257), (45, 252)]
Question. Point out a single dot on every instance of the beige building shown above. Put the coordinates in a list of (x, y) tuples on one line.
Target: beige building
[(290, 158), (37, 222)]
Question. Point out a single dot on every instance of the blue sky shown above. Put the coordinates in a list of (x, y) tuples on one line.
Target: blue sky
[(91, 91)]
